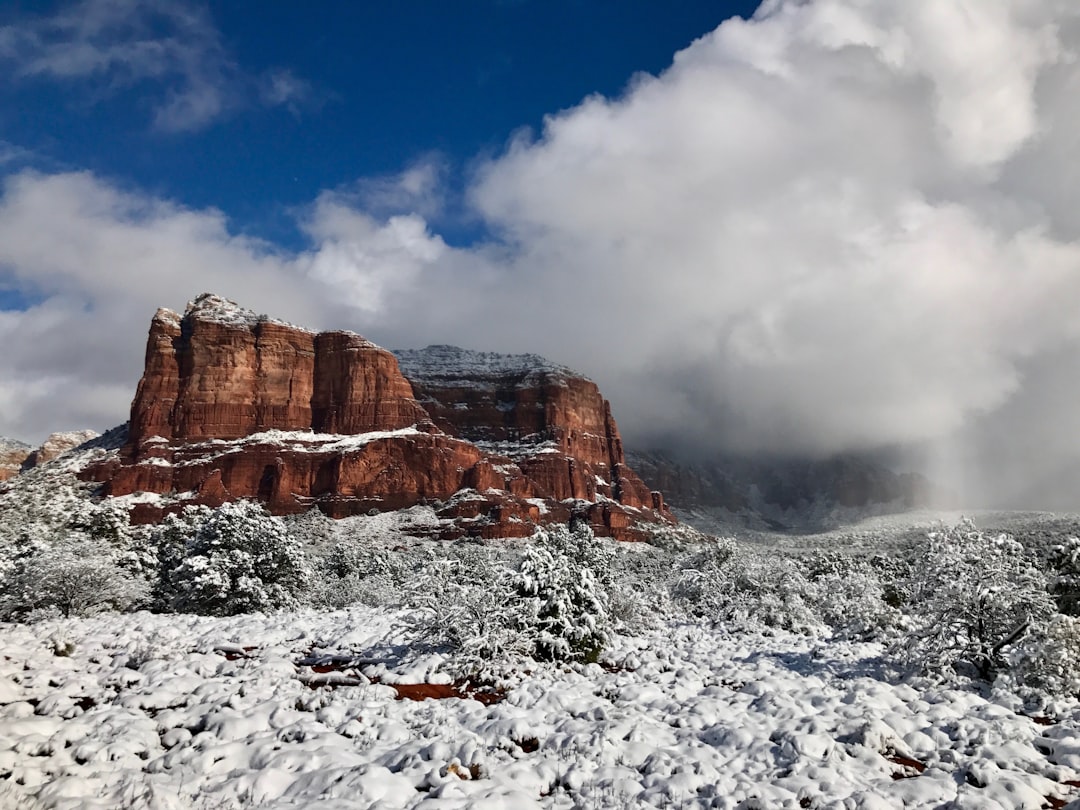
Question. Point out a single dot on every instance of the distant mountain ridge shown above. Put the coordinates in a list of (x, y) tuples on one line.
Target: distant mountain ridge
[(782, 495)]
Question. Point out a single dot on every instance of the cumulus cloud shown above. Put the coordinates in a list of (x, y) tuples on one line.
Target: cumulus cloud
[(810, 227), (838, 226), (170, 46), (100, 260)]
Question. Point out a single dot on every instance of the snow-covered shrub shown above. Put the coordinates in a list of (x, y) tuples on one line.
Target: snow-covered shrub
[(75, 577), (771, 590), (846, 593), (817, 593), (355, 572), (549, 603), (63, 553), (1048, 659), (703, 583), (233, 559), (465, 600), (640, 588), (726, 583), (311, 528), (972, 596), (171, 539), (1064, 563), (561, 599)]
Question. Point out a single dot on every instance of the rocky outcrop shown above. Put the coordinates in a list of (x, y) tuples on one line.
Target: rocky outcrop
[(57, 444), (12, 456), (15, 456), (224, 373), (554, 423), (235, 405)]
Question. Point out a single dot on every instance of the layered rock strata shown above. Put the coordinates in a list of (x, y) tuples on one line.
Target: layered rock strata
[(235, 405)]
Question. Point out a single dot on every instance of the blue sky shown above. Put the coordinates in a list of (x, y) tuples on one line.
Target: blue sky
[(366, 89), (813, 227)]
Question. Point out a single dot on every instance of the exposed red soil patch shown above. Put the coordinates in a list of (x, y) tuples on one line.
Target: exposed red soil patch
[(909, 767), (344, 670), (486, 695)]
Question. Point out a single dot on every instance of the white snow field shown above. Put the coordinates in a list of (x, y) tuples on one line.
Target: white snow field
[(178, 711)]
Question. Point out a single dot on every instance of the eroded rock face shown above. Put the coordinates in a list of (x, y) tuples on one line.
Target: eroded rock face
[(235, 405), (554, 423), (12, 456), (15, 456)]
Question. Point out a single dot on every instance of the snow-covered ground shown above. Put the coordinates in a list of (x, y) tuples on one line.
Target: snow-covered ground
[(177, 711)]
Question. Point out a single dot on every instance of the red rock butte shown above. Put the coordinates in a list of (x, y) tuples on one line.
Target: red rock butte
[(236, 405)]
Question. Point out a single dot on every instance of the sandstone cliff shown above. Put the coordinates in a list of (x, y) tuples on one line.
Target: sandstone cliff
[(12, 456), (57, 444), (15, 456), (235, 405)]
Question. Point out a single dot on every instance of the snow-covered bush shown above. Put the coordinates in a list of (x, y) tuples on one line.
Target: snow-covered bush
[(846, 592), (549, 602), (703, 583), (817, 593), (1064, 564), (771, 591), (352, 572), (73, 577), (61, 552), (972, 596), (1048, 659), (640, 587), (561, 601), (233, 559), (726, 583), (465, 600)]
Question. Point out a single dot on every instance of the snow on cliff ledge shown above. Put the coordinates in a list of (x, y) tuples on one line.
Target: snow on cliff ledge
[(450, 365)]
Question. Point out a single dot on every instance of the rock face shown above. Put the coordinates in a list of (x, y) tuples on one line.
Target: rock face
[(12, 456), (552, 422), (235, 405), (16, 456), (56, 445)]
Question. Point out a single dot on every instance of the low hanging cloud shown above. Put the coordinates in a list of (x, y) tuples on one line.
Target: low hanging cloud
[(839, 226)]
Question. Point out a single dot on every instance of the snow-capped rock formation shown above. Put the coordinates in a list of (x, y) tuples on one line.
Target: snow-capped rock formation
[(236, 405), (12, 455), (57, 444), (16, 456)]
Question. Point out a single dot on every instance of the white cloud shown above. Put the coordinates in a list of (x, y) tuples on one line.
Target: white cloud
[(841, 225), (10, 153), (101, 260), (170, 46)]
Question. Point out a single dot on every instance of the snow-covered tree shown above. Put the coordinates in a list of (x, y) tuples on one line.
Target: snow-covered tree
[(466, 600), (972, 596), (74, 577), (561, 600), (238, 559), (548, 603)]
